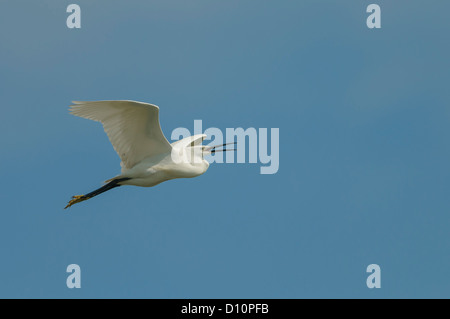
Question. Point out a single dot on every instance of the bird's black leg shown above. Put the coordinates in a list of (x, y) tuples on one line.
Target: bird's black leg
[(112, 184)]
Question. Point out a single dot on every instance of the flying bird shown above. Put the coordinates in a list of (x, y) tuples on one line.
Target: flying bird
[(148, 158)]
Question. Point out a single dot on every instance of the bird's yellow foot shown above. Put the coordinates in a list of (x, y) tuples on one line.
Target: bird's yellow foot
[(76, 199)]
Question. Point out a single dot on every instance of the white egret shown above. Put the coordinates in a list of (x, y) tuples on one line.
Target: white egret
[(147, 157)]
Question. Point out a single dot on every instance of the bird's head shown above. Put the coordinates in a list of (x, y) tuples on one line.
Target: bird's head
[(194, 153)]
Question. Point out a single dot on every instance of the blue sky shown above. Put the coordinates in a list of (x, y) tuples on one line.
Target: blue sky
[(364, 172)]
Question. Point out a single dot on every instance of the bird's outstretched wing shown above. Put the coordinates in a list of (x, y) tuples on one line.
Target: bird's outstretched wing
[(132, 127)]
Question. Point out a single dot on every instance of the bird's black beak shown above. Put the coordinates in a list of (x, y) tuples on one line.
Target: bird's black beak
[(213, 149)]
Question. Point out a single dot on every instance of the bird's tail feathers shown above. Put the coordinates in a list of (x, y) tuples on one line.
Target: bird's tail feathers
[(109, 180)]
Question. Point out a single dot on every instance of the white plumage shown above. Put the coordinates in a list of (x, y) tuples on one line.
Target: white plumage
[(132, 127), (147, 157)]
